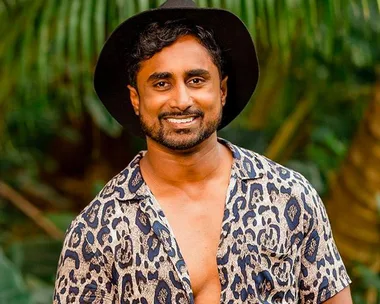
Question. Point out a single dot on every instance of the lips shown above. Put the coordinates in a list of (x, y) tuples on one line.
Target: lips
[(181, 120)]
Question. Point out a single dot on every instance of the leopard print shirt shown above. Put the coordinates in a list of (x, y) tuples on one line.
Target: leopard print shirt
[(276, 244)]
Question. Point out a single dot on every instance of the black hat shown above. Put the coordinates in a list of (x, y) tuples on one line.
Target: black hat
[(238, 52)]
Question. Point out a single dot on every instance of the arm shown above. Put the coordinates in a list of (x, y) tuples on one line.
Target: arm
[(323, 277), (81, 275)]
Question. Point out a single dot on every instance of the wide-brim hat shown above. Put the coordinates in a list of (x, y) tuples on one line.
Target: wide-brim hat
[(230, 33)]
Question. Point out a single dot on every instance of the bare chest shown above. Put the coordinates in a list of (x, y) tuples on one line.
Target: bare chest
[(197, 228)]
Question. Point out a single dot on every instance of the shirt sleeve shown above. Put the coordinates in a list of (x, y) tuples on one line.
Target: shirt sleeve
[(323, 273), (81, 275)]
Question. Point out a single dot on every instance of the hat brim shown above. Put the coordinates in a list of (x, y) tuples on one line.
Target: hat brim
[(238, 51)]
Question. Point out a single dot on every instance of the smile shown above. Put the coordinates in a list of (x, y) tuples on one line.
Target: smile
[(181, 120)]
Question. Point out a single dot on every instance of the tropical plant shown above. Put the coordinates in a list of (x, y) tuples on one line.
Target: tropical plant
[(319, 66)]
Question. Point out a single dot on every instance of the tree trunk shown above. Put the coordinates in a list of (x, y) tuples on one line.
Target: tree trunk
[(354, 201)]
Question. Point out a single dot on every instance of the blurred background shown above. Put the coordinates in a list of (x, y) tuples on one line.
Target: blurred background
[(316, 110)]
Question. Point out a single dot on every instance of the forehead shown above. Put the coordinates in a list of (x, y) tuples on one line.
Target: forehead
[(185, 53)]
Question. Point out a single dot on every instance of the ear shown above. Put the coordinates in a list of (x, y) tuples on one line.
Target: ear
[(223, 90), (135, 99)]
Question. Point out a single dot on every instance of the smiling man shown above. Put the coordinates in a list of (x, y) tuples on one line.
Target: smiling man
[(176, 92), (194, 219)]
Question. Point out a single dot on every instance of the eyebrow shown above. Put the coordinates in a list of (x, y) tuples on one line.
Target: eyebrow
[(190, 73), (160, 75), (198, 72)]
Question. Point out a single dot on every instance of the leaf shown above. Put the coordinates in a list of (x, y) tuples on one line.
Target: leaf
[(62, 219), (18, 26), (328, 33), (368, 276), (365, 8), (218, 3), (378, 203), (60, 38), (40, 292), (12, 286), (262, 22), (111, 15), (86, 35), (271, 21), (130, 8), (101, 116), (233, 6), (143, 5), (283, 32), (249, 7), (202, 3), (73, 54), (36, 256), (99, 27), (43, 46)]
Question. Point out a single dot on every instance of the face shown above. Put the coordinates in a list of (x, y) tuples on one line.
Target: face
[(180, 96)]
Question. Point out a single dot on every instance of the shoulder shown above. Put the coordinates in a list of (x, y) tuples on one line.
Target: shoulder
[(286, 179), (271, 172), (108, 210), (280, 188)]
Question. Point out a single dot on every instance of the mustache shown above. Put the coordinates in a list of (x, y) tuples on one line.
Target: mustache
[(187, 112)]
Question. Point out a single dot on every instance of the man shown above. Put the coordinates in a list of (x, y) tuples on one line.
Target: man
[(194, 219)]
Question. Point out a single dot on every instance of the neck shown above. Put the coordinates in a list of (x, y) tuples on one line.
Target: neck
[(183, 167)]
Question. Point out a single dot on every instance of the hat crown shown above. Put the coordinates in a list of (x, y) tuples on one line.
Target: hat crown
[(239, 55), (178, 4)]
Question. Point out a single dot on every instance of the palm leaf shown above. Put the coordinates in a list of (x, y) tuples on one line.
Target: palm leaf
[(59, 53), (12, 286)]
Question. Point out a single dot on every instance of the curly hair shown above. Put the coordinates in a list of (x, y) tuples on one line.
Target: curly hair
[(157, 36)]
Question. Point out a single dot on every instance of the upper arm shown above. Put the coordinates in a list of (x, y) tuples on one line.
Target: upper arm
[(323, 276), (81, 276)]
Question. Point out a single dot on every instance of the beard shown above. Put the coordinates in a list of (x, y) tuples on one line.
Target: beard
[(183, 139)]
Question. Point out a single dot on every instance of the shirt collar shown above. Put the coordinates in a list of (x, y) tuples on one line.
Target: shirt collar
[(129, 184), (247, 165)]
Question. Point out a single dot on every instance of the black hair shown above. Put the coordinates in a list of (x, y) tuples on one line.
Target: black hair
[(157, 36)]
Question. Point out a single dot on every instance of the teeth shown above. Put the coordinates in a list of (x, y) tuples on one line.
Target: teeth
[(181, 120)]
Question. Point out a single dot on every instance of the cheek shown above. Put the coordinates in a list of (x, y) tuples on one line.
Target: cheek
[(152, 103), (211, 100)]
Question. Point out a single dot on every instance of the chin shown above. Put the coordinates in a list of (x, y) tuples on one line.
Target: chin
[(185, 139), (183, 142)]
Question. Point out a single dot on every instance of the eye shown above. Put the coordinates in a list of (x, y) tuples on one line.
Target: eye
[(196, 81), (161, 85)]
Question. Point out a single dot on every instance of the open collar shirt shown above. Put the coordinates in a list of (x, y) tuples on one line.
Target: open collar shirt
[(276, 244)]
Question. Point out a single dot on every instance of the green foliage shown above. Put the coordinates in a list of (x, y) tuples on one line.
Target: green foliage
[(12, 285), (30, 262), (327, 52), (36, 257), (59, 54), (19, 286), (364, 280)]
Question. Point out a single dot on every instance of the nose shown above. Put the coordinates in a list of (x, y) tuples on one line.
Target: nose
[(181, 99)]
